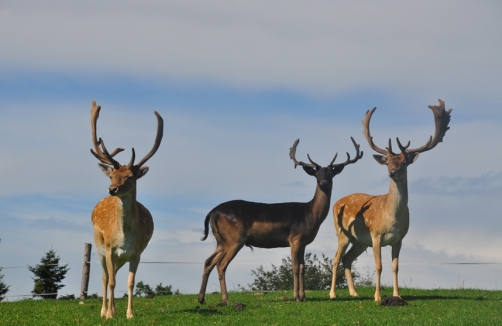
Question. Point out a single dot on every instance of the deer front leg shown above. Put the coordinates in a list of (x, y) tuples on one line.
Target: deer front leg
[(105, 291), (133, 267), (110, 264), (295, 262), (395, 266), (104, 279), (301, 274), (377, 252)]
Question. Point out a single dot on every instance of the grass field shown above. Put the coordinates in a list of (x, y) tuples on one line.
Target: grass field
[(425, 307)]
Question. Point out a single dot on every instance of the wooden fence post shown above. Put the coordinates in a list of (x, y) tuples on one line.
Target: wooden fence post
[(86, 271)]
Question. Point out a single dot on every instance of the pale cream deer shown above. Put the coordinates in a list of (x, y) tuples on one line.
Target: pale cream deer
[(378, 221), (122, 225)]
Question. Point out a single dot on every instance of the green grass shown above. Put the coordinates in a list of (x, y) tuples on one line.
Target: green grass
[(425, 307)]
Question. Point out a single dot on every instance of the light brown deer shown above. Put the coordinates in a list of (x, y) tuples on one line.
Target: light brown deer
[(122, 225), (241, 223), (378, 221)]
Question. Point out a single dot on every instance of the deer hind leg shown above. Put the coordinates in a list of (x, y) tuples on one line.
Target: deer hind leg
[(208, 267), (133, 267), (395, 266), (355, 250), (377, 252), (227, 257), (343, 243)]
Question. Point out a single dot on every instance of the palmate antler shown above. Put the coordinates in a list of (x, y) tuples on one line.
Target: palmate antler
[(102, 154), (349, 161), (441, 119), (292, 153)]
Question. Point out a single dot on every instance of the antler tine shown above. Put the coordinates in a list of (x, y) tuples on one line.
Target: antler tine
[(315, 164), (115, 164), (401, 147), (333, 160), (366, 132), (98, 153), (389, 149), (358, 156), (292, 154), (158, 139), (441, 120), (131, 162)]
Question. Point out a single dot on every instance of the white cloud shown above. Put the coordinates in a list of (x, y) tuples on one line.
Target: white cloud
[(327, 47)]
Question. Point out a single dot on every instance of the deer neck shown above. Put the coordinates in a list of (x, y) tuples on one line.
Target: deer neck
[(397, 198), (129, 210), (320, 204)]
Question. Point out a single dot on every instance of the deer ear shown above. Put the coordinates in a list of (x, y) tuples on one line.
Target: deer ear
[(380, 159), (107, 169), (412, 158), (310, 170), (141, 172), (337, 169)]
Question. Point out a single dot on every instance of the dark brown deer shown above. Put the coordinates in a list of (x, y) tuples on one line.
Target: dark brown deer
[(378, 221), (241, 223), (122, 225)]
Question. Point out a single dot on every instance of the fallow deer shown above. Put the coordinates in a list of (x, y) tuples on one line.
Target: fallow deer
[(378, 221), (241, 223), (122, 225)]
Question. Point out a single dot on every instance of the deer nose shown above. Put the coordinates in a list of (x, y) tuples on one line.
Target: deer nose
[(392, 173), (323, 182), (112, 190)]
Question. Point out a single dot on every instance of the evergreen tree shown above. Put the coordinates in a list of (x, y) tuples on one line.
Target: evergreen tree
[(317, 275), (48, 276), (4, 288)]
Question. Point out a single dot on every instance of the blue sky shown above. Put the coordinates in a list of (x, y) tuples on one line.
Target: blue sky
[(236, 84)]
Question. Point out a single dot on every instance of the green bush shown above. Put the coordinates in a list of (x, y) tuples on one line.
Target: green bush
[(317, 275)]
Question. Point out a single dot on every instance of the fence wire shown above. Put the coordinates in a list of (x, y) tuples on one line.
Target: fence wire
[(202, 263)]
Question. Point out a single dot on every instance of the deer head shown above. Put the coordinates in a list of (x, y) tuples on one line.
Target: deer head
[(324, 175), (397, 163), (123, 177)]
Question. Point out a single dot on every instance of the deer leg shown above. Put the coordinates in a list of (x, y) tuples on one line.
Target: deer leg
[(222, 265), (355, 250), (208, 267), (343, 243), (301, 274), (295, 262), (133, 267), (395, 266), (105, 288), (111, 267), (377, 252)]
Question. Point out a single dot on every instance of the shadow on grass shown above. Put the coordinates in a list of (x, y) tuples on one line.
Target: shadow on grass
[(442, 297)]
